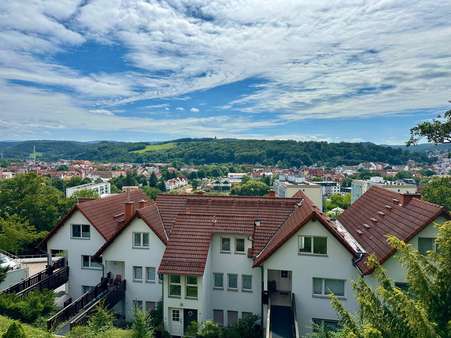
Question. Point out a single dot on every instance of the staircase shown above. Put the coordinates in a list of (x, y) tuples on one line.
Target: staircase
[(107, 292), (51, 278), (282, 320)]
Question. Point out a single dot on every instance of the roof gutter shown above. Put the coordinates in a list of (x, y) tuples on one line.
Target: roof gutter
[(357, 260)]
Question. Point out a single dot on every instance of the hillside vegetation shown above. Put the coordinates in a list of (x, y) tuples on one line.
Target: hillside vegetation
[(206, 151)]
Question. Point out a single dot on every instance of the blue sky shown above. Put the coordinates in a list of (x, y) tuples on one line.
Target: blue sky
[(349, 70)]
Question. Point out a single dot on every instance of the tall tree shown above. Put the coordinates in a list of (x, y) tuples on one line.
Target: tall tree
[(438, 190), (422, 311), (16, 233), (436, 131), (153, 180)]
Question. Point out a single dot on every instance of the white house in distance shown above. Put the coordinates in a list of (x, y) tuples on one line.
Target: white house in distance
[(102, 188), (222, 257), (359, 187)]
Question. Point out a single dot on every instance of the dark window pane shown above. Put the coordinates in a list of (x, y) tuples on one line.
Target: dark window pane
[(317, 286), (425, 245), (76, 230), (335, 286), (239, 245), (320, 245), (305, 244)]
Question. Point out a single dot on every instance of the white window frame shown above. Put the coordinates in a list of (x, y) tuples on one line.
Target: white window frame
[(149, 268), (238, 252), (170, 283), (301, 245), (81, 231), (221, 324), (135, 268), (173, 312), (214, 281), (230, 245), (91, 266), (324, 291), (228, 282), (141, 244), (191, 285), (242, 283)]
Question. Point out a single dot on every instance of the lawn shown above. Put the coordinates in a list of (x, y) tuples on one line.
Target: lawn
[(155, 147)]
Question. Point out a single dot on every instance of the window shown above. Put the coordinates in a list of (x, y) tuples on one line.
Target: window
[(175, 315), (245, 315), (246, 283), (150, 306), (81, 231), (328, 324), (324, 287), (225, 244), (150, 274), (137, 273), (160, 278), (313, 245), (218, 279), (138, 304), (218, 317), (141, 240), (425, 245), (232, 281), (239, 245), (232, 318), (191, 287), (403, 286), (283, 274), (87, 262), (175, 286)]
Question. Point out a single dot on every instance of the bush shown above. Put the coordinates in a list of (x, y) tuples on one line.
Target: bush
[(141, 326), (28, 309), (15, 330)]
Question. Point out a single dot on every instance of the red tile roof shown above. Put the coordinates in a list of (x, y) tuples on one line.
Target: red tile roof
[(379, 213), (105, 214), (304, 212)]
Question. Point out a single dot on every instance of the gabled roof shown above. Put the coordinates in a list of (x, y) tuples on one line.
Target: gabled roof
[(105, 214), (194, 219), (379, 213), (151, 216), (305, 211)]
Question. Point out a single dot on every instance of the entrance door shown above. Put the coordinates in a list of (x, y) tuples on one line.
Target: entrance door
[(189, 316), (175, 322)]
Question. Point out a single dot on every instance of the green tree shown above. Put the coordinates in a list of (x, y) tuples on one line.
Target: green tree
[(32, 197), (141, 327), (161, 186), (15, 330), (438, 190), (85, 193), (16, 233), (436, 131), (250, 188), (153, 180), (101, 321), (337, 200), (422, 311), (151, 192)]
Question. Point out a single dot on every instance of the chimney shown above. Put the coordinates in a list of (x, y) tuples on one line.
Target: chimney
[(142, 204), (129, 211), (407, 197)]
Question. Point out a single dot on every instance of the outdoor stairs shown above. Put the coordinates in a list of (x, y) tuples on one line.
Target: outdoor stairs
[(281, 322)]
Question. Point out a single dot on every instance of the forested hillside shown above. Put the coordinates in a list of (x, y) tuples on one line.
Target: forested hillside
[(204, 151)]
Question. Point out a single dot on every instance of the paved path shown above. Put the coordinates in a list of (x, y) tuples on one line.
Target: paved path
[(281, 322)]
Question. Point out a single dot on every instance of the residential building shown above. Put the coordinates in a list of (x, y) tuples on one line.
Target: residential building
[(359, 187), (222, 257), (175, 183), (329, 188), (288, 186), (102, 189), (236, 177)]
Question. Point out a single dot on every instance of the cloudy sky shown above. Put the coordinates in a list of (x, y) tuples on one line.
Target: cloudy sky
[(157, 70)]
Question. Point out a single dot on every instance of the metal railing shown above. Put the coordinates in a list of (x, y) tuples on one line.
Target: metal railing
[(295, 317), (105, 290), (52, 277)]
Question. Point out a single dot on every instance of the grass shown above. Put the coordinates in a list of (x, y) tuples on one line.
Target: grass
[(30, 331), (155, 147)]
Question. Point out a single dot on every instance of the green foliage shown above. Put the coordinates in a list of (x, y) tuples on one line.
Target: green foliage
[(15, 330), (153, 180), (247, 327), (151, 192), (101, 321), (250, 188), (32, 197), (155, 147), (438, 190), (436, 131), (85, 193), (210, 151), (141, 325), (400, 175), (337, 200), (16, 233), (29, 309), (3, 272), (422, 311), (130, 179)]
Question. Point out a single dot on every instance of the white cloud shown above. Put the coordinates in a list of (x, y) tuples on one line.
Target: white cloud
[(313, 59)]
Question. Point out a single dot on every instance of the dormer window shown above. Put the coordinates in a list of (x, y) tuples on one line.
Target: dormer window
[(80, 231)]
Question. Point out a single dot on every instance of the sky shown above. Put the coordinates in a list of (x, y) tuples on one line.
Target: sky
[(145, 70)]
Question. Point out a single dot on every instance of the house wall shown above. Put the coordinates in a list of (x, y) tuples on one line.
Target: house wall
[(121, 255), (74, 249), (336, 265)]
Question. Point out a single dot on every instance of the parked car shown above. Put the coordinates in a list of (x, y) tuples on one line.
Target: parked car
[(8, 262)]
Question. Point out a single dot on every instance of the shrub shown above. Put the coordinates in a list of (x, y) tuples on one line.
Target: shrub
[(28, 309), (15, 330), (141, 326)]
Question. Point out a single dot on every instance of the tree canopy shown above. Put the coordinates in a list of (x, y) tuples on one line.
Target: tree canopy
[(438, 190), (437, 131)]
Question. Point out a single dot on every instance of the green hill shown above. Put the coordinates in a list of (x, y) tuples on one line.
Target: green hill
[(204, 151)]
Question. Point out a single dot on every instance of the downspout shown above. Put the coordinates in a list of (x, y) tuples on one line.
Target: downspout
[(261, 295), (358, 259)]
